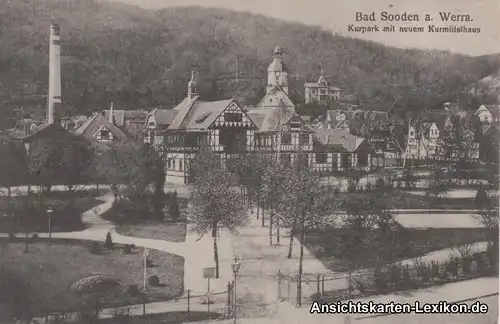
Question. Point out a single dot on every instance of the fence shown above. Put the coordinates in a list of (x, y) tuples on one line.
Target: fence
[(396, 277), (192, 306)]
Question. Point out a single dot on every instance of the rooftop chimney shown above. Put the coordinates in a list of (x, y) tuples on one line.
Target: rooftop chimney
[(54, 75)]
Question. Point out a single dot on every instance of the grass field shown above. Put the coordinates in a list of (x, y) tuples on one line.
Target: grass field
[(173, 232), (406, 200), (421, 241), (39, 281), (64, 217)]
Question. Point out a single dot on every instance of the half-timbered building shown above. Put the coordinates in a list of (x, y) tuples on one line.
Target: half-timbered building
[(180, 133)]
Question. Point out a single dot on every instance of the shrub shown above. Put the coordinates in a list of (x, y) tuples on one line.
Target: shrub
[(359, 283), (12, 236), (379, 183), (336, 190), (132, 246), (133, 290), (35, 236), (108, 243), (95, 248), (127, 249), (351, 187), (369, 187), (149, 263), (481, 201), (153, 281)]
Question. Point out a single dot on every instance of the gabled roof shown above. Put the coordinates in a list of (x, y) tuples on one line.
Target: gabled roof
[(163, 117), (182, 110), (97, 122), (202, 114), (276, 88), (274, 118), (340, 138), (194, 114)]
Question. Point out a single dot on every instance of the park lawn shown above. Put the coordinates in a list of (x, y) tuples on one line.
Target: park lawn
[(63, 218), (421, 241), (173, 232), (406, 200), (42, 277)]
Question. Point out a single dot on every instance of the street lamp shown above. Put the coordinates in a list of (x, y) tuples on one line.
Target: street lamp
[(235, 265), (49, 213)]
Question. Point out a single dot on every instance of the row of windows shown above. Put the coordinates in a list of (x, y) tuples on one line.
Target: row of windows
[(286, 139)]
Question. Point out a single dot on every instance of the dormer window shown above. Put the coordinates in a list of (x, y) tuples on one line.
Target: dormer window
[(412, 133)]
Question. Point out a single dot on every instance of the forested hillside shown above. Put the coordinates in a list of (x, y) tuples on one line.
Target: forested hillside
[(141, 58)]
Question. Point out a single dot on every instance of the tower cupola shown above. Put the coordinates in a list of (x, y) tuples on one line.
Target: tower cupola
[(192, 86)]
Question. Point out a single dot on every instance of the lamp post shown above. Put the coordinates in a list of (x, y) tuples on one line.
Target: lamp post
[(49, 213), (235, 265)]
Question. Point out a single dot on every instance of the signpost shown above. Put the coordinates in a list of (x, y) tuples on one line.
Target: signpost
[(208, 273)]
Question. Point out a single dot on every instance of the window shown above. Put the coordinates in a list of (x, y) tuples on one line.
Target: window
[(286, 139), (295, 124), (304, 139), (232, 117), (321, 157), (104, 135)]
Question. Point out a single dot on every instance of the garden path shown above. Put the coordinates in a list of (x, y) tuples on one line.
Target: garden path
[(259, 266)]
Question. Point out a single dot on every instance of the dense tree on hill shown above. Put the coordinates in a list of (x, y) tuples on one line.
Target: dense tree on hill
[(141, 58)]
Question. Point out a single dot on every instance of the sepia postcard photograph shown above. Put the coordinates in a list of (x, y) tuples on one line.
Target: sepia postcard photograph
[(249, 161)]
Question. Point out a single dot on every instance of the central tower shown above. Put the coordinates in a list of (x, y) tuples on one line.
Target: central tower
[(277, 74)]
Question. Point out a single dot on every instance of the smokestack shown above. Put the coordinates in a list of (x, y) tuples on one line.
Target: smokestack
[(54, 75)]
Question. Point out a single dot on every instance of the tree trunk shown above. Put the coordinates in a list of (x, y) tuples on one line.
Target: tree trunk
[(271, 229), (258, 205), (301, 262), (349, 284), (277, 231), (290, 245), (26, 239), (216, 251)]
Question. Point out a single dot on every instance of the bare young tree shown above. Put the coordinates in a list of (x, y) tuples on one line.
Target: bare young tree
[(215, 204), (309, 205), (275, 175)]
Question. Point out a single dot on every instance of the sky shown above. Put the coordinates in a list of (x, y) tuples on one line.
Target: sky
[(337, 15)]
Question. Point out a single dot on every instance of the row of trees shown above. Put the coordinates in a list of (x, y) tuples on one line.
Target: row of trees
[(292, 198), (69, 160)]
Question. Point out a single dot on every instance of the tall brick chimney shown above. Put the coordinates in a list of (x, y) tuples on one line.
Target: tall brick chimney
[(54, 75)]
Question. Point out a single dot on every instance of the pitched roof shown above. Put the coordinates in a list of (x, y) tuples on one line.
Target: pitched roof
[(163, 117), (182, 109), (202, 114), (340, 138), (273, 118), (193, 114), (46, 130), (95, 123)]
